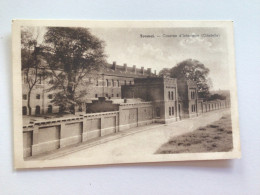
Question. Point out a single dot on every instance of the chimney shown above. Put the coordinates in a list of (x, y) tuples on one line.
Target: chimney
[(134, 69), (125, 67), (114, 65), (155, 72), (142, 70), (149, 70)]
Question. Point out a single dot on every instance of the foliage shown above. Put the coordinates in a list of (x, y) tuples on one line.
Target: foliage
[(71, 54), (165, 72), (195, 71), (216, 97)]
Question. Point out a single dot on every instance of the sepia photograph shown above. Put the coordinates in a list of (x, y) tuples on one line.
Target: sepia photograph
[(117, 92)]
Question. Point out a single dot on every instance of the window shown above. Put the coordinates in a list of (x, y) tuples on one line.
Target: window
[(38, 96), (50, 96), (49, 109), (130, 83), (118, 83), (172, 95), (117, 95), (113, 84), (169, 95), (24, 110), (193, 95), (37, 110), (107, 82), (125, 82), (96, 95), (24, 97), (40, 80), (158, 112), (170, 112)]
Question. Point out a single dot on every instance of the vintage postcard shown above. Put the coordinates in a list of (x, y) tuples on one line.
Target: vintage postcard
[(113, 92)]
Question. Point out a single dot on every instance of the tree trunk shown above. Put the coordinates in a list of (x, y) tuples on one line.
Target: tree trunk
[(29, 101)]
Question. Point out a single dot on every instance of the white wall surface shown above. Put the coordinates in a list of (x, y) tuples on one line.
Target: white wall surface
[(208, 177)]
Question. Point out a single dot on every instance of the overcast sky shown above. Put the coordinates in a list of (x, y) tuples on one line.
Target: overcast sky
[(125, 45)]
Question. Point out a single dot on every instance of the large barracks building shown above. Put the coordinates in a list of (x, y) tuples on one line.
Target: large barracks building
[(120, 98), (171, 99)]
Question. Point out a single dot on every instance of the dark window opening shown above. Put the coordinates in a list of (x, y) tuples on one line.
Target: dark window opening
[(24, 110), (38, 110), (169, 95), (117, 95), (158, 112), (50, 96), (38, 96), (24, 97), (96, 95), (49, 109), (170, 112)]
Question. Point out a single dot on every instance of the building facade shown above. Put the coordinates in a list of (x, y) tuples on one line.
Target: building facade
[(106, 84)]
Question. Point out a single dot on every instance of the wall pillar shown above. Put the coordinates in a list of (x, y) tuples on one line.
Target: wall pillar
[(62, 127), (84, 130), (35, 140), (102, 125)]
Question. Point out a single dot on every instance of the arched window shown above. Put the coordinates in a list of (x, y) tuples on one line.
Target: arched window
[(49, 109), (37, 110), (24, 110)]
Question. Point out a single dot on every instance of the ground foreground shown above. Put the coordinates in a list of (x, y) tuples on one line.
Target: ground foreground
[(215, 137)]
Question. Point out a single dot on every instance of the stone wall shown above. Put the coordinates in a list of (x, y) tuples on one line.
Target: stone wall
[(45, 136)]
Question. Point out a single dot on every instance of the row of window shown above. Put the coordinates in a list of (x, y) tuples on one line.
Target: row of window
[(37, 110), (112, 95), (113, 83), (170, 95), (171, 111), (38, 96)]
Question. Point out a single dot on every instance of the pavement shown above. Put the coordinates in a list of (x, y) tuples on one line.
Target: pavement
[(133, 142)]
